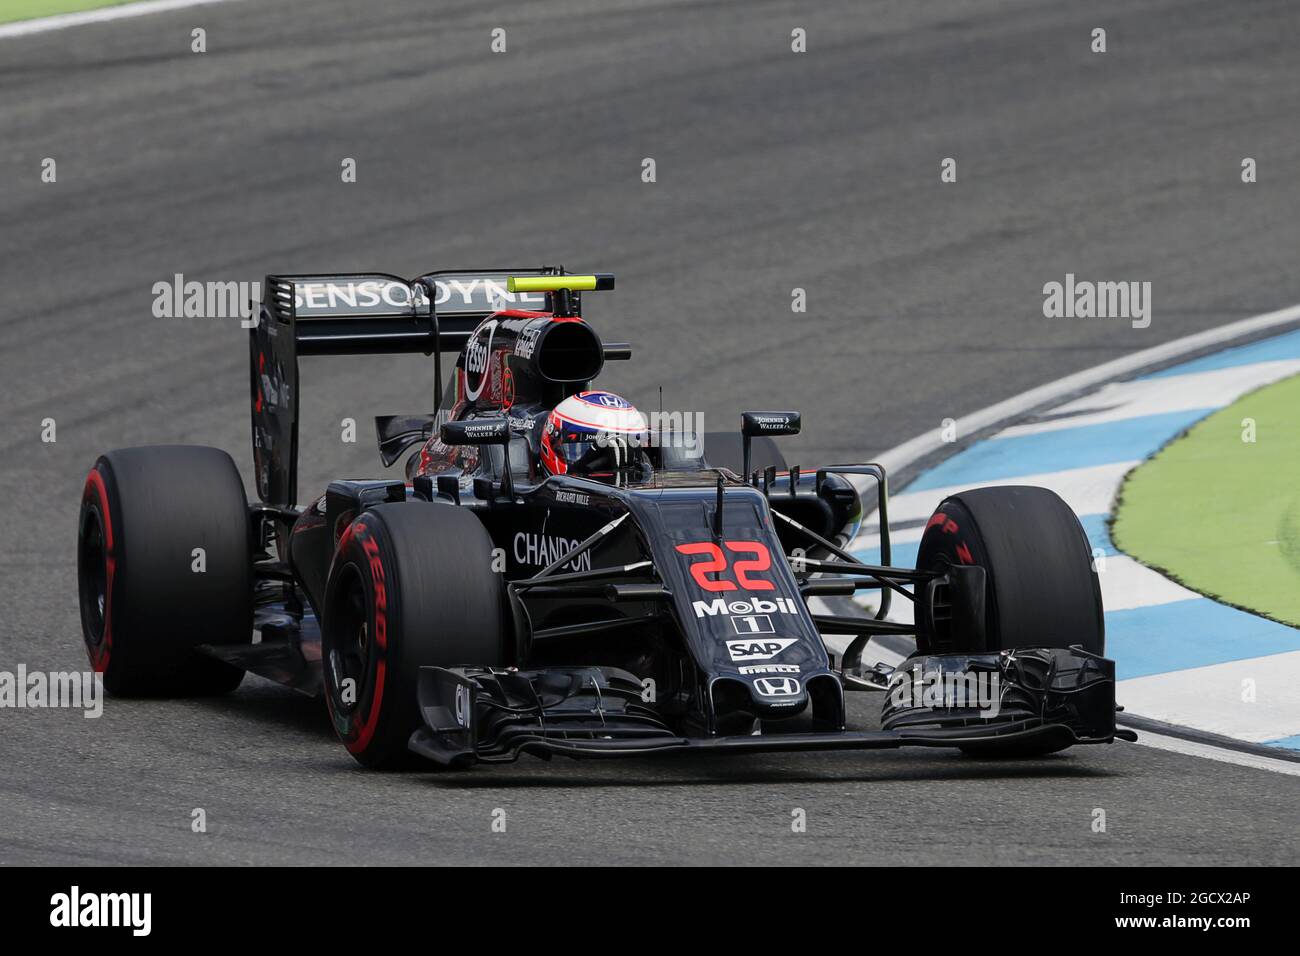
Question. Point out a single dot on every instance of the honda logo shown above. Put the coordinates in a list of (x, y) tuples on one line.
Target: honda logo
[(777, 686)]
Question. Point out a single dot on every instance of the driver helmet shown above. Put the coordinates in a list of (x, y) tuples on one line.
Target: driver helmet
[(594, 435)]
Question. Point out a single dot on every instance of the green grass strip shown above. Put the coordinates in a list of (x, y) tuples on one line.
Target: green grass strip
[(12, 10), (1221, 514)]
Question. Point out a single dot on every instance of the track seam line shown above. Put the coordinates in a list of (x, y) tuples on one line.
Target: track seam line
[(1164, 729)]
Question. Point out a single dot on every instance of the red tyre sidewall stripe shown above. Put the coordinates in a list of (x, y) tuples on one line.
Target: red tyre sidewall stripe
[(356, 730), (99, 656), (363, 736)]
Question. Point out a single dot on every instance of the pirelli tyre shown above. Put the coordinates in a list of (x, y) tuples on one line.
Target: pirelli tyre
[(1040, 587), (412, 585), (164, 564)]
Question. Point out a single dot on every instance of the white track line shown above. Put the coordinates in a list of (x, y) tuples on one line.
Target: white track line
[(1088, 491), (1158, 396), (1209, 698), (905, 454), (64, 20), (1193, 748)]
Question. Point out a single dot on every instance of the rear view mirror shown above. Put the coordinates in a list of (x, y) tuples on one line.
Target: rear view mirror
[(477, 431), (484, 431), (769, 423), (766, 423)]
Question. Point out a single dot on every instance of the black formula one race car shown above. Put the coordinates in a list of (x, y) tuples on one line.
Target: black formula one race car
[(557, 574)]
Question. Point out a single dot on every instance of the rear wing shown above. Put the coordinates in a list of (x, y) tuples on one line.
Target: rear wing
[(358, 314), (378, 313)]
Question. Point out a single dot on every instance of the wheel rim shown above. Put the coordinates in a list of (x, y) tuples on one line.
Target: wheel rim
[(350, 657), (92, 576)]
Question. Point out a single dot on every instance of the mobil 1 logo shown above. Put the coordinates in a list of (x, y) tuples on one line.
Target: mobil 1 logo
[(752, 616)]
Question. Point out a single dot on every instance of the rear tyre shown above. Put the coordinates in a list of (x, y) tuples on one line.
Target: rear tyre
[(1040, 586), (412, 585), (147, 596)]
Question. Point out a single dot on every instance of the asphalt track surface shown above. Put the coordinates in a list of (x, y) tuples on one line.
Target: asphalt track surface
[(774, 171)]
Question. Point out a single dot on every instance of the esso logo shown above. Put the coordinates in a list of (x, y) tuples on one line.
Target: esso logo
[(477, 354), (476, 357)]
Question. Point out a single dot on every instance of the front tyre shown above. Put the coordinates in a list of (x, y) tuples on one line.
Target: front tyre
[(1040, 586), (411, 585)]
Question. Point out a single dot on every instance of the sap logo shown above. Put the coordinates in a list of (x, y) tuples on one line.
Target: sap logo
[(758, 650), (777, 686), (718, 606)]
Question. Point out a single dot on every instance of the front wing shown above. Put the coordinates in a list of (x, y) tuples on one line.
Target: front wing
[(1054, 696)]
